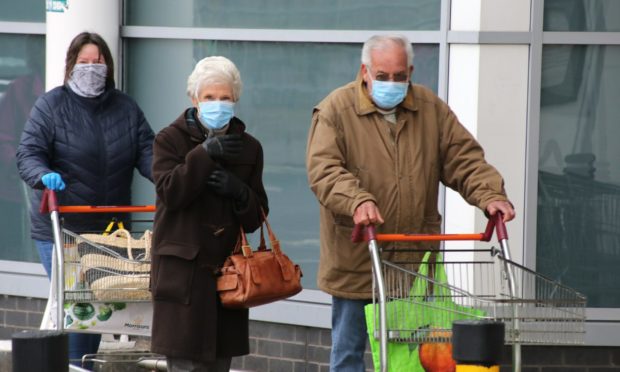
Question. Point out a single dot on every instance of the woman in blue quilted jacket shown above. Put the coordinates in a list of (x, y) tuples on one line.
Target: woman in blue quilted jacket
[(83, 139)]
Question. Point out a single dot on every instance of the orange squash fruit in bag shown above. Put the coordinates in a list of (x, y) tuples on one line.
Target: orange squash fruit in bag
[(437, 357)]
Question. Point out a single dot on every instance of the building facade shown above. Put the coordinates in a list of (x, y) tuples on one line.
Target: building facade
[(536, 81)]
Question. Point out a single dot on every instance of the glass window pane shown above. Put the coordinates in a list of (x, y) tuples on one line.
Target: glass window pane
[(282, 82), (287, 14), (22, 11), (578, 224), (582, 15), (22, 68)]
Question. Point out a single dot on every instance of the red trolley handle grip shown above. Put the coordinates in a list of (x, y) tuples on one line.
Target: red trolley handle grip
[(363, 233), (500, 226), (49, 202)]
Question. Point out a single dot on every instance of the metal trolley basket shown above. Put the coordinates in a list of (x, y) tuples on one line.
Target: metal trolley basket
[(98, 288), (533, 308)]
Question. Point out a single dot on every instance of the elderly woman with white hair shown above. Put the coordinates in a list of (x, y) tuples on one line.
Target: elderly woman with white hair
[(208, 176)]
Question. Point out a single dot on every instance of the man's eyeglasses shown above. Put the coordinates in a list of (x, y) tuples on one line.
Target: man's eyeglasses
[(399, 77)]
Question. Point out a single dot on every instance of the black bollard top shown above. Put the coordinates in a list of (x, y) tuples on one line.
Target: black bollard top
[(36, 333), (477, 342), (40, 350)]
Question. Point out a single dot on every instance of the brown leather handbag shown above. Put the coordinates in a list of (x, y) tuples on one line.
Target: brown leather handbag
[(252, 278)]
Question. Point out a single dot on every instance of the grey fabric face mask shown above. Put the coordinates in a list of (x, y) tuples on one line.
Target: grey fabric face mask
[(88, 79)]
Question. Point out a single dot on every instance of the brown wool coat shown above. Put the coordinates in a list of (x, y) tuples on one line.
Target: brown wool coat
[(194, 231), (355, 155)]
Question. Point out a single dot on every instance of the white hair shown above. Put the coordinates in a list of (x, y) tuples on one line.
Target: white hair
[(214, 70), (382, 42)]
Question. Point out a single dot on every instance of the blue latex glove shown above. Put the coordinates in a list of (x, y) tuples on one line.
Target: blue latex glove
[(53, 181)]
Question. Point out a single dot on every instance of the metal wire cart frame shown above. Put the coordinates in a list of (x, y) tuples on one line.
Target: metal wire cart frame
[(416, 306), (92, 280)]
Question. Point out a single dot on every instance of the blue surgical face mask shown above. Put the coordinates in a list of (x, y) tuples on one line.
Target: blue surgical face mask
[(216, 114), (388, 94)]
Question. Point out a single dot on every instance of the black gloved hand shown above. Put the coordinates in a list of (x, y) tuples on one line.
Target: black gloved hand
[(226, 184), (227, 146)]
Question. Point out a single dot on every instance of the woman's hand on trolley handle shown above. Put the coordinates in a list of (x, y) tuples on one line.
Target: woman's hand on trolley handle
[(503, 207), (367, 213), (53, 181)]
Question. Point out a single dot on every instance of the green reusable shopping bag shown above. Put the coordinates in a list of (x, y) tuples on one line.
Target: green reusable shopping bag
[(401, 356), (404, 356)]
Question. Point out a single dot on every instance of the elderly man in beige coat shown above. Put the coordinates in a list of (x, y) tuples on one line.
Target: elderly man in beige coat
[(377, 150)]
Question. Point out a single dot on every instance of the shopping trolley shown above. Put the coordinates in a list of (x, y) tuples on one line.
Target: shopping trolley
[(97, 288), (533, 308)]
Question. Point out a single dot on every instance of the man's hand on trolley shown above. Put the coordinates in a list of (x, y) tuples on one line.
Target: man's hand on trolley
[(501, 206), (367, 213)]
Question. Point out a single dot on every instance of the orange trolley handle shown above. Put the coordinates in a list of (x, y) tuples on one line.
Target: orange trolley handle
[(49, 203), (369, 232)]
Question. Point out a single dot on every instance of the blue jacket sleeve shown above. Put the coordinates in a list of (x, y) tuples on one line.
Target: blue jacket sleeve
[(146, 138), (36, 148)]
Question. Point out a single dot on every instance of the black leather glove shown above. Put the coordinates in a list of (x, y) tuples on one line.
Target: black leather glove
[(227, 146), (226, 184)]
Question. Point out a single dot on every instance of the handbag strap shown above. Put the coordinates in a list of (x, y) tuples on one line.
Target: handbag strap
[(242, 244), (262, 246), (275, 243), (244, 247)]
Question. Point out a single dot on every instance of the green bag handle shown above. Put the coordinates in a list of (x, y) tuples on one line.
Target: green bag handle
[(420, 285)]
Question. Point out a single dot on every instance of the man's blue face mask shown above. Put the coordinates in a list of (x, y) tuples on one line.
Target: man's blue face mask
[(216, 114), (388, 94)]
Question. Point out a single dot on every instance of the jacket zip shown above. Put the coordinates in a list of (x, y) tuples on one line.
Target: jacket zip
[(102, 157)]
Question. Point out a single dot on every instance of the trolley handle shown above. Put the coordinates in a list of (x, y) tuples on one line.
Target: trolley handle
[(368, 232), (363, 233), (49, 203), (500, 227)]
